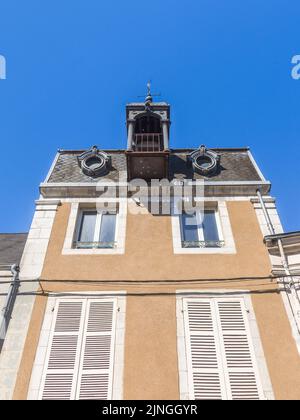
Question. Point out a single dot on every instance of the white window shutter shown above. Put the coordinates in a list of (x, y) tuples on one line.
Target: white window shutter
[(240, 367), (206, 381), (96, 364), (220, 355), (62, 359)]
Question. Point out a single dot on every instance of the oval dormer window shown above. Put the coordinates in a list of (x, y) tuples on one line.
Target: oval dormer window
[(204, 161), (93, 162)]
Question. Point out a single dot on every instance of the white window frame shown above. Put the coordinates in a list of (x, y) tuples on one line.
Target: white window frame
[(182, 350), (36, 381), (74, 223), (223, 226), (98, 224), (200, 228)]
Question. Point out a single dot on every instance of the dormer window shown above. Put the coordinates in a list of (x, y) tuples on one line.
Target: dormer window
[(93, 162), (204, 161)]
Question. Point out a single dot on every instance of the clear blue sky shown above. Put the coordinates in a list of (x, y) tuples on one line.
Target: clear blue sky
[(225, 67)]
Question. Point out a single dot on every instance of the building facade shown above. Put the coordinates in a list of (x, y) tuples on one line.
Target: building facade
[(154, 273)]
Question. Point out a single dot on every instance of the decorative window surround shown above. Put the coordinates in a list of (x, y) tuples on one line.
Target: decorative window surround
[(224, 228), (118, 365), (73, 224), (254, 332)]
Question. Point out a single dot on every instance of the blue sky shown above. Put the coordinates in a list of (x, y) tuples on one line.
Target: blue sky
[(224, 66)]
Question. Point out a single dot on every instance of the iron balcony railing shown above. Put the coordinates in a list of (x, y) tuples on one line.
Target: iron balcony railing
[(203, 244), (94, 245), (148, 142)]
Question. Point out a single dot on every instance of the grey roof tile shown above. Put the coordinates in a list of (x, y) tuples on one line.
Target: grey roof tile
[(11, 247), (234, 166), (67, 168)]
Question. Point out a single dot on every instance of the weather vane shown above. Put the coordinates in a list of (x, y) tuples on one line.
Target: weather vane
[(149, 97)]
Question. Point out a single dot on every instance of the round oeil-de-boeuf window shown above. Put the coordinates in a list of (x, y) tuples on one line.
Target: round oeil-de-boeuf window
[(93, 162), (204, 161)]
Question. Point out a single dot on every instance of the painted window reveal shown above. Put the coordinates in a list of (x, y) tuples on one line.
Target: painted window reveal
[(97, 230), (201, 230), (79, 361), (220, 355)]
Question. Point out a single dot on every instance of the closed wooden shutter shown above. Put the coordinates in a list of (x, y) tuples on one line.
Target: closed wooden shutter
[(220, 356), (203, 353), (79, 360), (240, 368), (62, 360), (96, 365)]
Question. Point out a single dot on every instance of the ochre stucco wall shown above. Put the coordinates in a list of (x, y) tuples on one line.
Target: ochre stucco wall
[(151, 368)]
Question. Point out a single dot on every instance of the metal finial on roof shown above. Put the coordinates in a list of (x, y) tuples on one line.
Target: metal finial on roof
[(149, 98)]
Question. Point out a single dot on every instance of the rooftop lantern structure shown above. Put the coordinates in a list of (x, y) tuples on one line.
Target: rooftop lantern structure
[(148, 126)]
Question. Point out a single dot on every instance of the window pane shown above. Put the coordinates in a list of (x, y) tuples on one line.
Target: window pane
[(108, 228), (210, 229), (189, 228), (87, 228)]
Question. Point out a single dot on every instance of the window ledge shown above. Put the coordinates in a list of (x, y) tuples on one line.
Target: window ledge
[(216, 250), (94, 251)]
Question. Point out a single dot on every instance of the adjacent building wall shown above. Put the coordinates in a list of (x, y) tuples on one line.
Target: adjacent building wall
[(30, 270)]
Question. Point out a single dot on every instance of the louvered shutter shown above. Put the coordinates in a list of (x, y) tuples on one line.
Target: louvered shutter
[(220, 355), (240, 368), (96, 364), (62, 359), (206, 381)]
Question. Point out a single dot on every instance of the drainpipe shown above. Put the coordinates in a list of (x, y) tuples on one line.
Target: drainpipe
[(6, 310), (284, 261)]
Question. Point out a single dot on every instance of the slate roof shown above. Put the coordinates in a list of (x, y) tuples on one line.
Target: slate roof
[(67, 168), (11, 247), (235, 165)]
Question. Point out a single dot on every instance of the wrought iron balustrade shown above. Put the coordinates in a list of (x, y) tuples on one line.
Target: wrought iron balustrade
[(148, 142), (94, 245), (203, 244)]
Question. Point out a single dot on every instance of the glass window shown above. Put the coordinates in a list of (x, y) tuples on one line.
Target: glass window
[(190, 228), (88, 224), (200, 230), (210, 229), (97, 230), (108, 229)]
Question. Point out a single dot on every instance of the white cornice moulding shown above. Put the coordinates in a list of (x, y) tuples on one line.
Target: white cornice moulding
[(212, 188), (125, 183), (48, 202)]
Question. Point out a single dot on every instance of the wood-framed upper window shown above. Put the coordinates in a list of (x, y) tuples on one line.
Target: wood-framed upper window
[(96, 229), (201, 229)]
